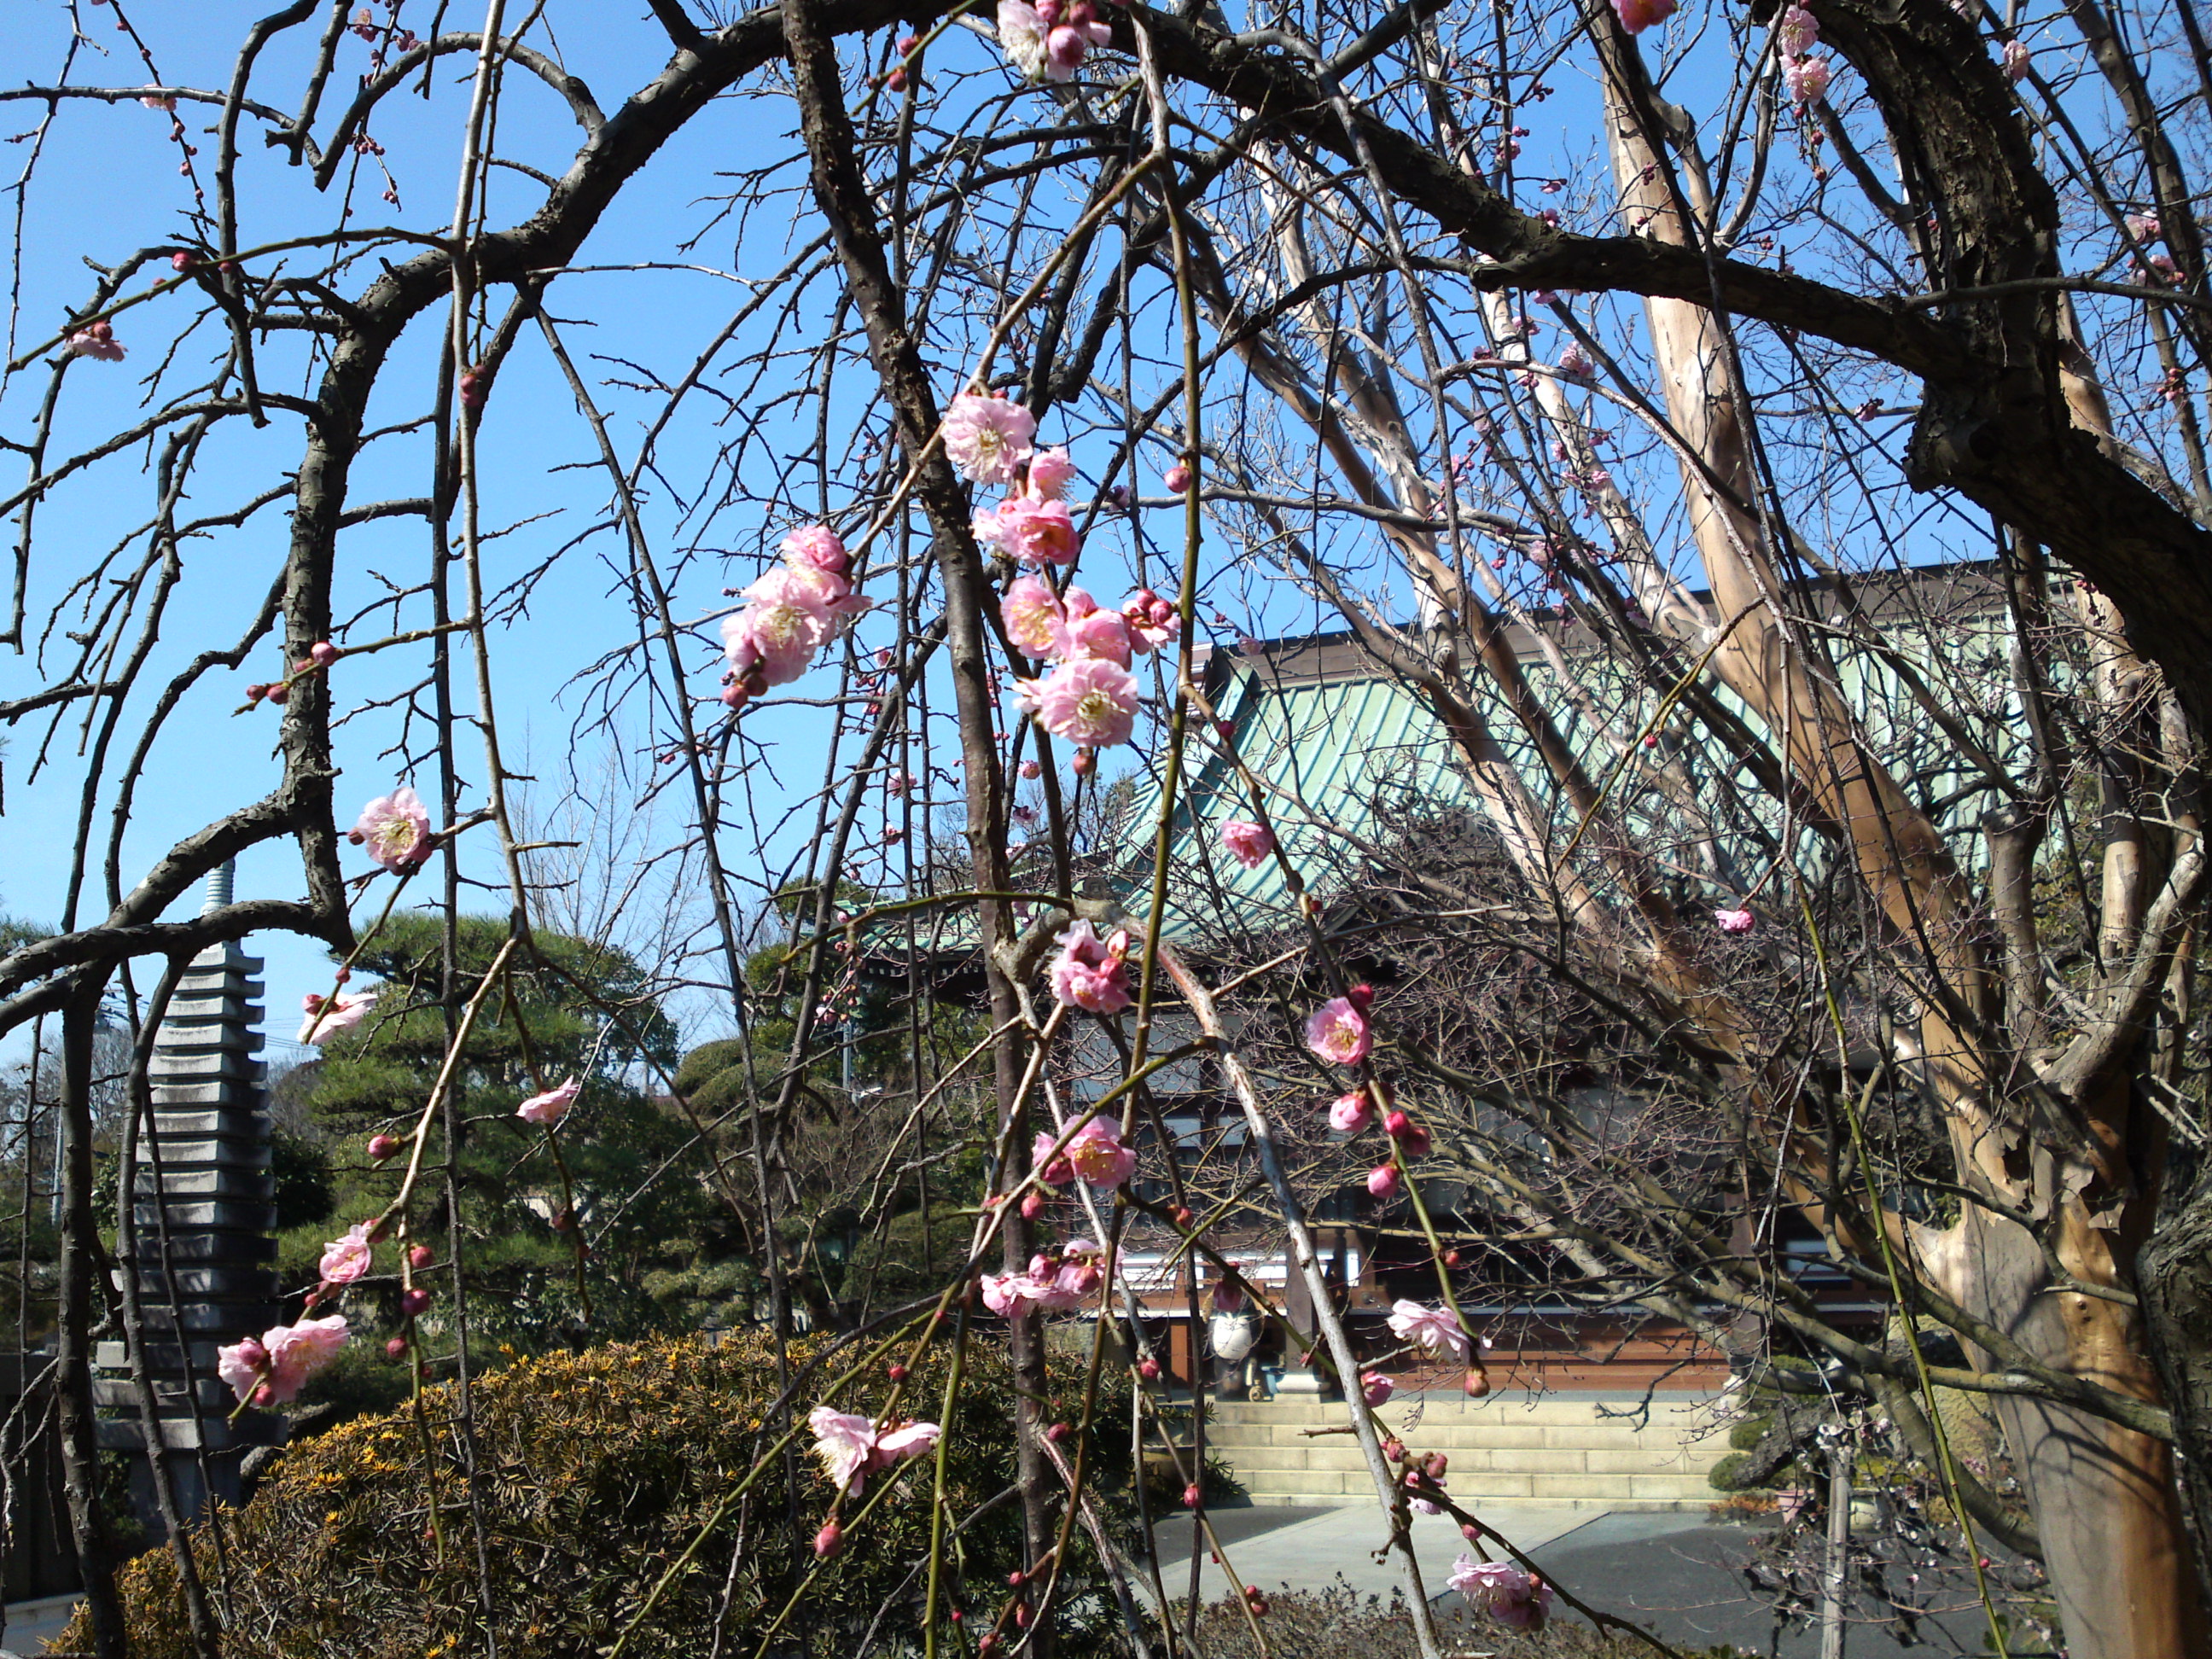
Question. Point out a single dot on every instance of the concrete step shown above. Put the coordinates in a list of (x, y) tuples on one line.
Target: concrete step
[(1329, 1500), (1342, 1485), (1480, 1461), (1513, 1407), (1456, 1437)]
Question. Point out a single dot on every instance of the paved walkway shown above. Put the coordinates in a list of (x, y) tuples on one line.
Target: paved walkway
[(32, 1625), (1310, 1548)]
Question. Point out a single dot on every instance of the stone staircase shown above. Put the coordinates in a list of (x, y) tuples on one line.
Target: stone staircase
[(1559, 1448)]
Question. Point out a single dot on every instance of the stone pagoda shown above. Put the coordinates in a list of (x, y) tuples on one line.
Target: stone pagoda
[(204, 1221)]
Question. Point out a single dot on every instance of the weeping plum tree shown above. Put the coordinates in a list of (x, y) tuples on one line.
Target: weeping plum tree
[(1602, 367)]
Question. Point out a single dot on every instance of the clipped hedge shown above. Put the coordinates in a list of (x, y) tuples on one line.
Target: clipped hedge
[(599, 1470)]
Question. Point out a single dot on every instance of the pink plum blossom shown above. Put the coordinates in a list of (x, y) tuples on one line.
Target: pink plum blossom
[(283, 1360), (548, 1109), (1096, 635), (1049, 471), (773, 639), (344, 1260), (853, 1448), (1797, 33), (817, 547), (1349, 1113), (1734, 921), (1807, 79), (1071, 40), (96, 341), (989, 439), (1637, 15), (1575, 365), (1508, 1593), (2145, 226), (1009, 1295), (1032, 613), (1154, 621), (1022, 36), (2017, 59), (326, 1017), (1030, 530), (1099, 1156), (1091, 702), (1435, 1330), (1091, 973), (1249, 844), (395, 829), (844, 1442), (1337, 1032)]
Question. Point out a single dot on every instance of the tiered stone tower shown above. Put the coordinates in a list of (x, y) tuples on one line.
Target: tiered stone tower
[(204, 1221)]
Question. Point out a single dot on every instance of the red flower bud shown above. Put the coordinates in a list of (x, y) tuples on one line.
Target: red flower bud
[(412, 1301), (896, 1371), (322, 653), (1192, 1496), (895, 81), (381, 1147), (1149, 1369), (1359, 996), (1393, 1450), (473, 390), (1477, 1384), (1183, 1218), (1083, 763), (828, 1540), (279, 692), (255, 693), (1058, 1432), (1032, 1205), (397, 1348), (420, 1256)]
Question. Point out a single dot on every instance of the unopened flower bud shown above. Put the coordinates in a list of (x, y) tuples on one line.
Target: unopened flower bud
[(255, 693), (473, 390), (896, 1371), (1149, 1369), (1477, 1384), (895, 81), (322, 653), (412, 1301), (397, 1348), (381, 1147), (1031, 769), (1177, 479), (1393, 1450), (251, 1352), (828, 1540), (1192, 1496), (1183, 1218), (420, 1256), (1083, 763), (1058, 1432), (279, 692), (1032, 1205), (1382, 1180)]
